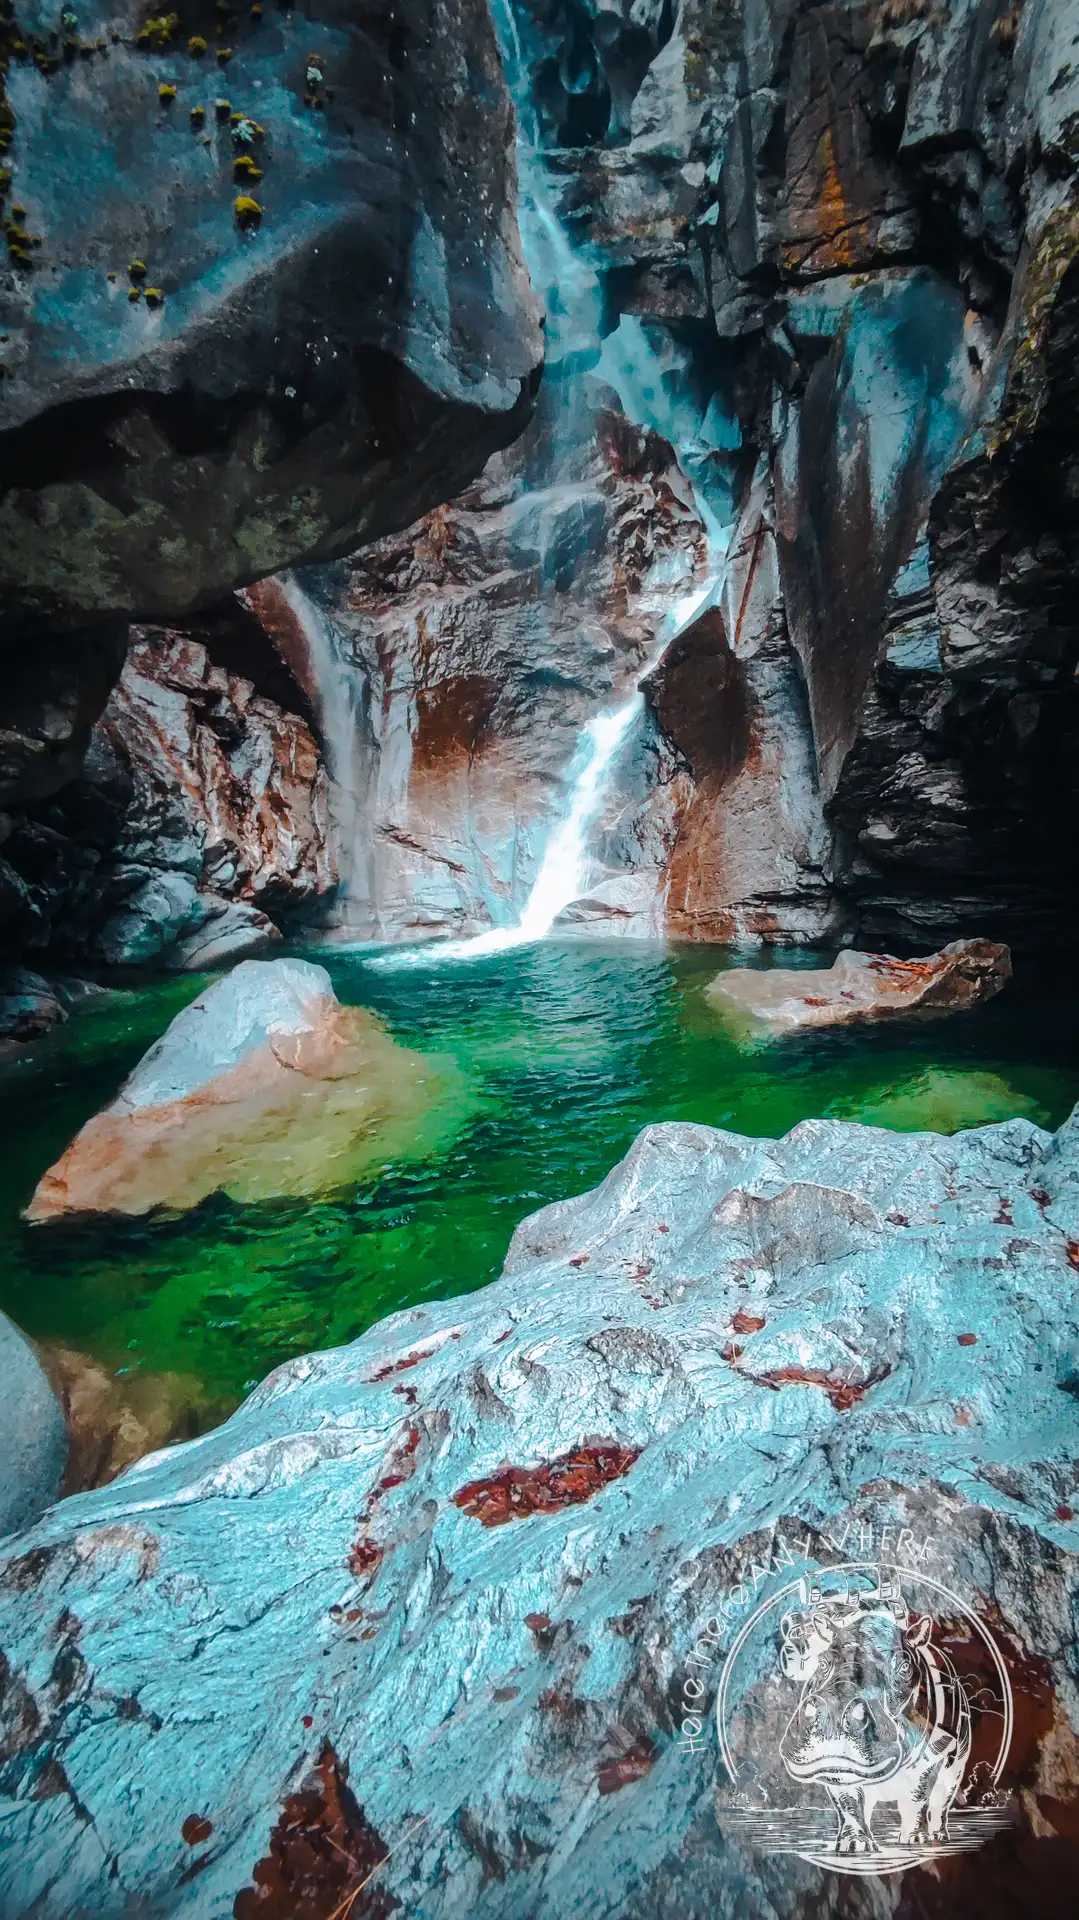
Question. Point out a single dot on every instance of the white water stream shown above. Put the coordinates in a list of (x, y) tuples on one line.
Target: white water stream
[(562, 876)]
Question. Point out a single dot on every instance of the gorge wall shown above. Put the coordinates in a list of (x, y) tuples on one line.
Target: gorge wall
[(262, 299), (830, 248), (808, 270)]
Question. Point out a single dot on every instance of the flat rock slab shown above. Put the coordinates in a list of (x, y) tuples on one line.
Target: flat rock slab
[(433, 1595), (867, 986), (264, 1085)]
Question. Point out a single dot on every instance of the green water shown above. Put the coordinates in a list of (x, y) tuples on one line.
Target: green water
[(564, 1052)]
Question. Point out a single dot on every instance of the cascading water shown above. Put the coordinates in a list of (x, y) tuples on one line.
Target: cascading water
[(561, 877), (583, 364), (340, 723)]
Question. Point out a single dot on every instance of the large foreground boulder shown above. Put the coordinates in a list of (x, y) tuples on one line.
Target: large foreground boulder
[(434, 1623), (867, 986), (33, 1442), (264, 1085)]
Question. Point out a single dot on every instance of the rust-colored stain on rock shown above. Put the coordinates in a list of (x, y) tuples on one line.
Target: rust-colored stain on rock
[(569, 1481), (842, 1393), (628, 1767), (399, 1366), (323, 1854), (743, 1322)]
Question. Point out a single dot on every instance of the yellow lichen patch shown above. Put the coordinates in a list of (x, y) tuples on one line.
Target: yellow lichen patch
[(198, 116), (1053, 255), (196, 46), (137, 270), (166, 93), (224, 55), (134, 293), (245, 170), (247, 210), (154, 296), (156, 33)]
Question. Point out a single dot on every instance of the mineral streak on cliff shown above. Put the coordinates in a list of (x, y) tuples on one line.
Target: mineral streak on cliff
[(825, 251)]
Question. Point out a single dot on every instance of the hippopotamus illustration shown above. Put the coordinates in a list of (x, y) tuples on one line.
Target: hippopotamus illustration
[(882, 1719)]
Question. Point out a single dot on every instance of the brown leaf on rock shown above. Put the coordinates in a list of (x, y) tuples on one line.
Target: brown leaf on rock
[(322, 1856), (628, 1767), (573, 1478)]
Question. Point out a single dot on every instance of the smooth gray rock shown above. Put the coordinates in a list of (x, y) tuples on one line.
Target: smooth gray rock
[(33, 1439), (258, 1000), (759, 1338)]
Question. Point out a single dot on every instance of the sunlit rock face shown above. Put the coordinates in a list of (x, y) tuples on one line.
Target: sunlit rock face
[(264, 1085), (866, 986), (831, 247), (198, 830), (483, 640), (432, 1596)]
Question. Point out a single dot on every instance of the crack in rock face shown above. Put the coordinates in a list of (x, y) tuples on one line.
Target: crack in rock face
[(505, 1700)]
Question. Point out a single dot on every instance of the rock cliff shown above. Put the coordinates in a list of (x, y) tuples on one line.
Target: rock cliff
[(832, 250), (197, 829), (262, 299)]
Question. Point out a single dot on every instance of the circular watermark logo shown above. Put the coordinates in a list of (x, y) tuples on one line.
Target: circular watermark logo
[(863, 1715)]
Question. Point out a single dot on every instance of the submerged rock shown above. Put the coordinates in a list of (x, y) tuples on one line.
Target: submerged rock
[(113, 1419), (264, 1085), (432, 1600), (868, 986), (33, 1442)]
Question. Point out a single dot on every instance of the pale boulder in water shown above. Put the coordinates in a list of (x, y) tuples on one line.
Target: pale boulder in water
[(265, 1085), (867, 986)]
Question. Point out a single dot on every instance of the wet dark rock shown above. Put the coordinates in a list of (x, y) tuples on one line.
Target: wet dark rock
[(231, 401), (197, 831)]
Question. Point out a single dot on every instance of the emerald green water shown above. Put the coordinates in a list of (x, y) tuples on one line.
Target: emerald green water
[(564, 1051)]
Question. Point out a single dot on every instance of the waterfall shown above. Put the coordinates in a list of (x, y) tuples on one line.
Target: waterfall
[(562, 874), (336, 686), (584, 360)]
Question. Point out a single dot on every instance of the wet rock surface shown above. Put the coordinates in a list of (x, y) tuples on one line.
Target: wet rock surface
[(838, 241), (198, 830), (867, 986), (264, 1085), (202, 390), (479, 645), (304, 1626), (33, 1443)]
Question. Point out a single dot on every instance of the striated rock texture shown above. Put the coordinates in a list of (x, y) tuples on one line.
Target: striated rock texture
[(867, 986), (198, 829), (264, 1085), (425, 1615)]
